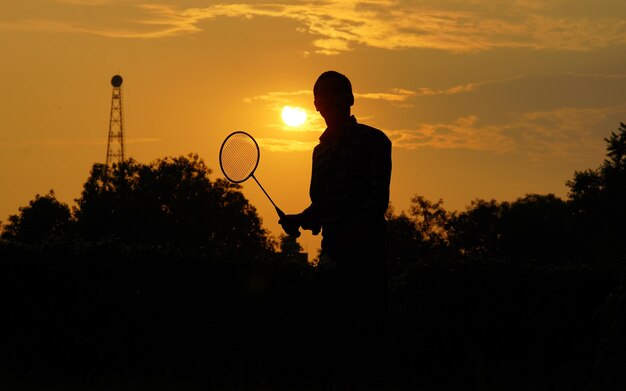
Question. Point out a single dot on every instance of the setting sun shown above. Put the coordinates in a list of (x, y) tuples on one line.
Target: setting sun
[(293, 116)]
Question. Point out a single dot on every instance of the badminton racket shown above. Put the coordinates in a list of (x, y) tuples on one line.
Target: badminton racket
[(239, 159)]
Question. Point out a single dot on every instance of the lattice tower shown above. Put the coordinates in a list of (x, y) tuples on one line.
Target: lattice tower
[(115, 145)]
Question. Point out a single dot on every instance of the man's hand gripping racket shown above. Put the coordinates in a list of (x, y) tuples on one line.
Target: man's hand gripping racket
[(239, 158)]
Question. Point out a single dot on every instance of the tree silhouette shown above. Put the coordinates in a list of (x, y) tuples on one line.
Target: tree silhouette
[(536, 226), (43, 218), (403, 240), (431, 220), (532, 227), (477, 230), (169, 201), (289, 244), (599, 202), (616, 149), (421, 233)]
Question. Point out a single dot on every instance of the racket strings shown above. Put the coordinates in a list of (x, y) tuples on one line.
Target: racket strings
[(239, 157)]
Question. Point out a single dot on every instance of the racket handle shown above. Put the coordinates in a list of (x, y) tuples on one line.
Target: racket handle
[(281, 214)]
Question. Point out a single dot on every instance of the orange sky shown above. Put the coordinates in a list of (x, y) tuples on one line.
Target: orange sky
[(482, 99)]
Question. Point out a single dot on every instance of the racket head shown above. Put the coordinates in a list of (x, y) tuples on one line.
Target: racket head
[(239, 156)]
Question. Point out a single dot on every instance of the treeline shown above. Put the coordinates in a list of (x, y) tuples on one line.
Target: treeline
[(169, 202), (160, 277), (586, 228)]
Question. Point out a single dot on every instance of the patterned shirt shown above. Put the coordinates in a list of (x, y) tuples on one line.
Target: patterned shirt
[(350, 187)]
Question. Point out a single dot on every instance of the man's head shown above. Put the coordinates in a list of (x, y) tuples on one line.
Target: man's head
[(333, 97)]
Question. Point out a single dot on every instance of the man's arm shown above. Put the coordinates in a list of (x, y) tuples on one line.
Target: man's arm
[(376, 197), (307, 219), (310, 218)]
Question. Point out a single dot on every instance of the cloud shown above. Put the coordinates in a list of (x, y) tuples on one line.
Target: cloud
[(463, 133), (276, 100), (72, 142), (477, 85), (107, 18), (314, 124), (339, 26), (283, 145), (280, 97), (562, 134), (565, 126), (463, 88), (396, 95), (85, 2)]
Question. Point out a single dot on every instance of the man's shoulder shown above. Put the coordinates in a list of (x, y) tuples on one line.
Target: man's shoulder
[(374, 134)]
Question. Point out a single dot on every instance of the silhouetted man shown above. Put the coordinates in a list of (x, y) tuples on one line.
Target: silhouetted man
[(349, 196)]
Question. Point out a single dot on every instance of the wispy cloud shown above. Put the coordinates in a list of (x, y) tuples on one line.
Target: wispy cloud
[(283, 97), (477, 85), (276, 100), (338, 26), (85, 2), (284, 145), (280, 97), (463, 133), (563, 134), (395, 95), (463, 88), (72, 142), (554, 132)]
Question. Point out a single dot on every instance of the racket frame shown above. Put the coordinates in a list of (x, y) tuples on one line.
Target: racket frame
[(281, 214)]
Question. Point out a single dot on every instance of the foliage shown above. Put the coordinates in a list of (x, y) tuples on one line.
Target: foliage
[(44, 218), (599, 202), (616, 149), (403, 240), (289, 244), (422, 232), (587, 227), (532, 227), (431, 221), (536, 227), (171, 200), (478, 230)]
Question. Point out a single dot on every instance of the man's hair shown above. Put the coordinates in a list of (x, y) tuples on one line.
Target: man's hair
[(333, 75)]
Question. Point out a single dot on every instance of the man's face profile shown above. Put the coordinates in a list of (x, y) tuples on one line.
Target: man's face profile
[(332, 99)]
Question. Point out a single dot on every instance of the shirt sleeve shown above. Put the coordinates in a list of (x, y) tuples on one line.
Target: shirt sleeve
[(377, 197), (312, 215)]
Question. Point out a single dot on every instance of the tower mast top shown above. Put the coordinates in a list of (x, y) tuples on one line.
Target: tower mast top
[(116, 81)]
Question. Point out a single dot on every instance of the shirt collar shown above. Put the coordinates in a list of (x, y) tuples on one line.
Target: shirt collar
[(332, 134)]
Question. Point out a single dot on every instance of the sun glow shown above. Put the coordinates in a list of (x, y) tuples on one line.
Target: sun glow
[(293, 116)]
